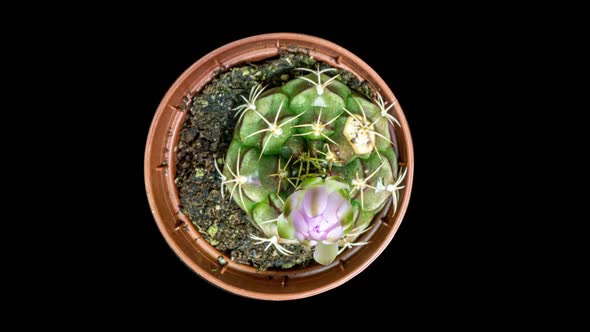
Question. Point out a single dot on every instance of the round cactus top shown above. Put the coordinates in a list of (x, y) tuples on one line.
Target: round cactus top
[(311, 163)]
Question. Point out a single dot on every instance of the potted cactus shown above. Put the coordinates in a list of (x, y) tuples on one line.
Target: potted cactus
[(303, 179)]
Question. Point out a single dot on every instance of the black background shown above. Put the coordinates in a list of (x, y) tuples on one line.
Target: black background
[(89, 84), (427, 263)]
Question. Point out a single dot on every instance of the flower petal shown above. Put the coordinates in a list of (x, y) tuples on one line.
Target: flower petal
[(343, 211), (285, 228), (335, 200), (315, 201), (299, 222), (325, 253), (291, 203), (300, 237), (335, 234)]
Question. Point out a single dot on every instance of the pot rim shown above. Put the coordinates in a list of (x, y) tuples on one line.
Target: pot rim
[(159, 173)]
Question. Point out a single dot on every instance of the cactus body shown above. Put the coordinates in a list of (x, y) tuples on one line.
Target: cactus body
[(312, 163)]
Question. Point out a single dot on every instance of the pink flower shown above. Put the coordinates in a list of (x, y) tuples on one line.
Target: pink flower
[(319, 214)]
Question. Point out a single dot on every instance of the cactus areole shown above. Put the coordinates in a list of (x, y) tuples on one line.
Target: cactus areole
[(311, 163)]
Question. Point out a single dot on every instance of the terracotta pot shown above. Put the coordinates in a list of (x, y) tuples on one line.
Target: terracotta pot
[(186, 241)]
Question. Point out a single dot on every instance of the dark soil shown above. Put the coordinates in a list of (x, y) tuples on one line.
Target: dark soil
[(206, 135)]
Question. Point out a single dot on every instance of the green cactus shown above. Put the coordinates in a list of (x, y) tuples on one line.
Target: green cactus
[(312, 140)]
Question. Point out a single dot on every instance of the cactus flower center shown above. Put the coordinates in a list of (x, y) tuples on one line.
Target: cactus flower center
[(318, 214)]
